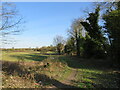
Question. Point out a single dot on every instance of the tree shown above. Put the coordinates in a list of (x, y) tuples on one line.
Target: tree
[(70, 46), (59, 42), (10, 19), (112, 19), (76, 33), (96, 42)]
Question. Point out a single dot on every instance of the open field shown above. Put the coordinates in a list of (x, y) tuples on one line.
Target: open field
[(60, 44), (35, 70)]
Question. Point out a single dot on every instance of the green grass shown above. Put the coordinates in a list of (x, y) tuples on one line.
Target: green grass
[(25, 56), (90, 73), (98, 79)]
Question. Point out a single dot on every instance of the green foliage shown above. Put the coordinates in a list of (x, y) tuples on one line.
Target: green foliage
[(59, 48), (59, 43), (112, 25), (93, 48), (95, 42), (46, 49), (70, 46), (75, 33), (92, 25)]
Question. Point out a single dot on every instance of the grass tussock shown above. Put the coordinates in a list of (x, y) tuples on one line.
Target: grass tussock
[(38, 74)]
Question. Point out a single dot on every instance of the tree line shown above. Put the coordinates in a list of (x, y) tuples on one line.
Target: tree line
[(89, 39)]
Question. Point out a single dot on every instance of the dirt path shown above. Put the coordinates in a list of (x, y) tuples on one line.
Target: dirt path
[(67, 83), (71, 77)]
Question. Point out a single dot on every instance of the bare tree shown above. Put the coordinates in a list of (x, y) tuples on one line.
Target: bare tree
[(10, 20), (76, 32)]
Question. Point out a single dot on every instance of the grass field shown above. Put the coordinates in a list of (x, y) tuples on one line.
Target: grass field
[(35, 70)]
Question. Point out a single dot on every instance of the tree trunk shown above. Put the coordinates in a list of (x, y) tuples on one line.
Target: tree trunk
[(78, 47)]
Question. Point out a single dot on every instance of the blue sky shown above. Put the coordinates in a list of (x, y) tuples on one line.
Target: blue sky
[(46, 20)]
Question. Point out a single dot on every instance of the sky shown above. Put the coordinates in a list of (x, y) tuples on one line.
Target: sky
[(46, 20)]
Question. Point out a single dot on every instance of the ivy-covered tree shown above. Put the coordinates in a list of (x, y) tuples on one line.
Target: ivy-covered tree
[(95, 44)]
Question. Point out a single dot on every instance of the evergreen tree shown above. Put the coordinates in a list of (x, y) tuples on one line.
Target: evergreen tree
[(112, 25), (95, 44)]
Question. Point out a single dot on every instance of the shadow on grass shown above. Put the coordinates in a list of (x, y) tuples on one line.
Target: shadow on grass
[(45, 79), (108, 80), (77, 63), (45, 53), (32, 57), (104, 79)]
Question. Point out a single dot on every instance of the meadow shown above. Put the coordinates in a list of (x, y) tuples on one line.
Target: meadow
[(36, 55), (32, 69)]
